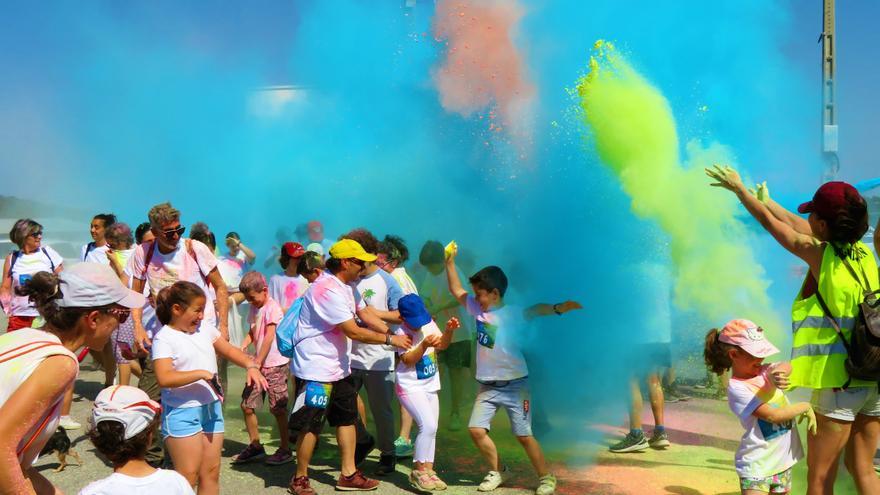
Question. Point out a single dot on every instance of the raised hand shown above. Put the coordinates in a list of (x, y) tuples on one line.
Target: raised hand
[(724, 176)]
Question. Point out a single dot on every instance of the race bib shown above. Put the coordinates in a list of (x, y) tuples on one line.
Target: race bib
[(426, 367), (773, 430), (486, 334), (318, 394), (24, 278)]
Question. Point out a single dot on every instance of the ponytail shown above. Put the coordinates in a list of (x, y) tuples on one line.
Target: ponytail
[(716, 353), (43, 290)]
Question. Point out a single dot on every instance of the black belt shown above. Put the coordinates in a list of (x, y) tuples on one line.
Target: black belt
[(501, 383)]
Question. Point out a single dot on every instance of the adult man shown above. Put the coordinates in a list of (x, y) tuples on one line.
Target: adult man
[(372, 366), (168, 259), (320, 363)]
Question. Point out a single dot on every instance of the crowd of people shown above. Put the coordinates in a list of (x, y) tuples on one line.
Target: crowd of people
[(341, 317), (345, 317)]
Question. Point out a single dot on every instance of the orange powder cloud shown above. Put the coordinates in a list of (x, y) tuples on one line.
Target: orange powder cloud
[(483, 69)]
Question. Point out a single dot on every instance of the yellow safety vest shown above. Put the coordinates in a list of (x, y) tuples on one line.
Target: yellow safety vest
[(817, 354)]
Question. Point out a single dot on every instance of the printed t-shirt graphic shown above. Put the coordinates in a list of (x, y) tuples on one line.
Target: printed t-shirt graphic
[(378, 290), (26, 265), (424, 374), (499, 331), (286, 289), (766, 448)]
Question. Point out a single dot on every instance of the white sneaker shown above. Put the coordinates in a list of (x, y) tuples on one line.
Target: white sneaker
[(492, 481), (547, 485), (68, 423)]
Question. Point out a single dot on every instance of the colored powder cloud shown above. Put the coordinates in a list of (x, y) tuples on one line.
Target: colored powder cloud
[(483, 70), (634, 134)]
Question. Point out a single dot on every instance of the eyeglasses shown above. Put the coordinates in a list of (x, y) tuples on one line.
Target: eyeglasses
[(38, 233), (121, 314), (171, 233), (360, 263)]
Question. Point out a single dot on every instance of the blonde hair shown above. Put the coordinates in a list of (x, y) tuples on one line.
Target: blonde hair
[(22, 229), (161, 214)]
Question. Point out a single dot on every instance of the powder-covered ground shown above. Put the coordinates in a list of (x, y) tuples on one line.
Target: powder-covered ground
[(700, 461)]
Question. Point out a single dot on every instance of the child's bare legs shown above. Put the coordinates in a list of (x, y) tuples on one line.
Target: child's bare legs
[(406, 423), (209, 471), (186, 454), (281, 419), (536, 455), (481, 439), (252, 425), (424, 466), (124, 370)]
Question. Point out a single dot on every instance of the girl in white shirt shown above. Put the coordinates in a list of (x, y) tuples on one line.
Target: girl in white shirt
[(185, 360), (418, 384)]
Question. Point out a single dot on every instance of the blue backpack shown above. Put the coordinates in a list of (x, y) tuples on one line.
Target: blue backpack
[(285, 332)]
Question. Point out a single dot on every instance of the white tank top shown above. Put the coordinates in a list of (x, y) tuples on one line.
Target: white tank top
[(21, 352)]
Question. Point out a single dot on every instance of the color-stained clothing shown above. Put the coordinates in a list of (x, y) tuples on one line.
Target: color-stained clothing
[(259, 319), (499, 332), (425, 374), (24, 268), (286, 289), (232, 268), (766, 448), (378, 290)]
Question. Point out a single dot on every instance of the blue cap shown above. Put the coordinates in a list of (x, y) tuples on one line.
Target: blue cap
[(412, 310)]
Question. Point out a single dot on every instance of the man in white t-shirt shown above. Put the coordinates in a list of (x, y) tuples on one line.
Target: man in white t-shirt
[(96, 251), (168, 259), (324, 386), (372, 366)]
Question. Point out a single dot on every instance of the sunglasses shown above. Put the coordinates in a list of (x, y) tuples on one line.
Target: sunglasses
[(360, 263), (38, 233), (170, 234), (121, 314)]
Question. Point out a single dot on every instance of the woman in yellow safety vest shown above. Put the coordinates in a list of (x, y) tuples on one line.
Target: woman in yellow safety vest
[(848, 411)]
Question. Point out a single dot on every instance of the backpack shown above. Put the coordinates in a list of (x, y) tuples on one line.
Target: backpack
[(148, 256), (89, 248), (285, 332), (17, 254), (863, 349)]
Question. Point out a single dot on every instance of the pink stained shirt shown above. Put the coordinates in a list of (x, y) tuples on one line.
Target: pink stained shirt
[(259, 319)]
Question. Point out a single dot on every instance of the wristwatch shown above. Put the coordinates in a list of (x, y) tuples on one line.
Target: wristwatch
[(387, 339), (556, 310)]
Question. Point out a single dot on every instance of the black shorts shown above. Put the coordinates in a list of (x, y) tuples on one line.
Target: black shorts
[(457, 355), (340, 408), (655, 357)]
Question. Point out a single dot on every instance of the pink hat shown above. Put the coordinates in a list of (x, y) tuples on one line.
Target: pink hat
[(128, 405), (749, 337)]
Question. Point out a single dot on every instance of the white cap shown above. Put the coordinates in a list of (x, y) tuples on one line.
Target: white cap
[(316, 247), (91, 285), (128, 405)]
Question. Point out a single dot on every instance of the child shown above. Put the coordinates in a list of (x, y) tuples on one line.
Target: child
[(770, 446), (185, 360), (288, 286), (311, 266), (501, 367), (123, 423), (264, 318), (418, 384)]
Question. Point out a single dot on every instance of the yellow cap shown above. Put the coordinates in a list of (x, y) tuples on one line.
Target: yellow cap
[(347, 248)]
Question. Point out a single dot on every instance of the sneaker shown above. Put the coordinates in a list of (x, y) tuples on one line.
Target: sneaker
[(659, 440), (361, 450), (546, 485), (387, 465), (281, 456), (492, 480), (675, 391), (439, 485), (421, 480), (300, 486), (670, 397), (356, 482), (249, 454), (633, 442), (403, 447), (68, 423), (454, 422)]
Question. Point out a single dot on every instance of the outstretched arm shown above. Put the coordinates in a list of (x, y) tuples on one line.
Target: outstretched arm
[(798, 223), (452, 279), (544, 309)]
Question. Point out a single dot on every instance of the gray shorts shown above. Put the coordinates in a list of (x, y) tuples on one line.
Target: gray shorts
[(844, 404), (513, 397)]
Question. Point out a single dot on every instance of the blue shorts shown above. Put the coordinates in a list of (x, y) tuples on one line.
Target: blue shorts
[(179, 422), (513, 396)]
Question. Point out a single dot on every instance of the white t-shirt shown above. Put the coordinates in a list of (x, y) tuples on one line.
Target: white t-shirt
[(405, 281), (149, 320), (499, 332), (434, 291), (259, 319), (188, 352), (321, 350), (21, 352), (378, 290), (232, 268), (766, 448), (98, 254), (166, 269), (425, 375), (26, 265), (286, 289), (163, 481)]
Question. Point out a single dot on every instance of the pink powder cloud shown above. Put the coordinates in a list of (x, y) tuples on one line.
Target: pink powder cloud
[(483, 69)]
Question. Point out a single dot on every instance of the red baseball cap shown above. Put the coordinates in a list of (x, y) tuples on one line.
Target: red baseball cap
[(829, 199), (316, 230), (294, 249)]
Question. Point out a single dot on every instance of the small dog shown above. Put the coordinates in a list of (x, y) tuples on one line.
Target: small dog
[(60, 443)]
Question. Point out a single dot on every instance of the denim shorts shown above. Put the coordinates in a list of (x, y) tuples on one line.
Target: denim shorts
[(513, 396), (179, 422), (845, 404)]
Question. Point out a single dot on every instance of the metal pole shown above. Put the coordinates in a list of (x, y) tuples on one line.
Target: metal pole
[(829, 108)]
